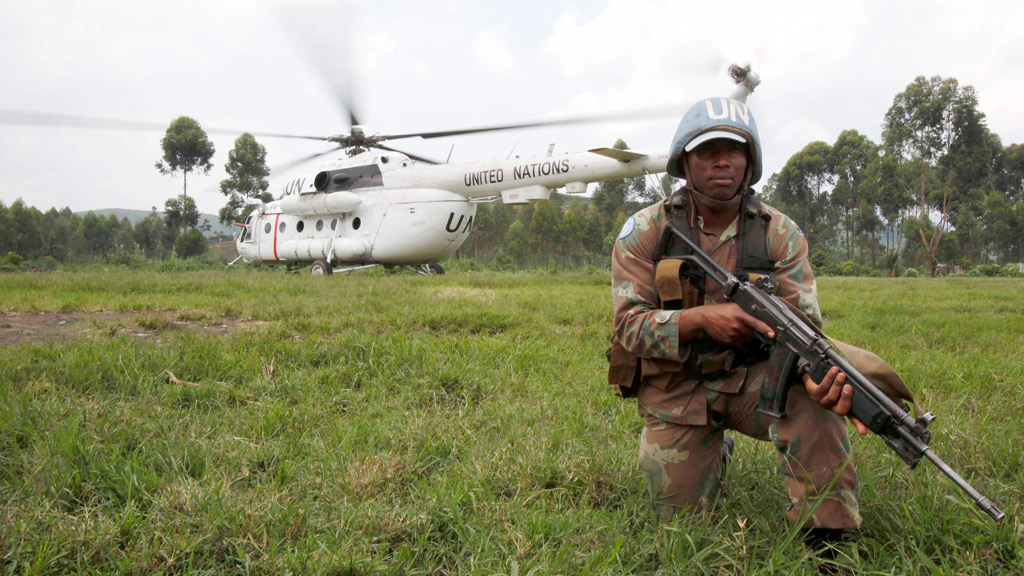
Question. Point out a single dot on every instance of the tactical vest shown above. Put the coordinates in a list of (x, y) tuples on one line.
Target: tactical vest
[(681, 286)]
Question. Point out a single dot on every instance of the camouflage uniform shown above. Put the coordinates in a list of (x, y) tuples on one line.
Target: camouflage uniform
[(684, 419)]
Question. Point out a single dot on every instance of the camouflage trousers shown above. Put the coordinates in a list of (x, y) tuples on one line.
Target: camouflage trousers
[(683, 463)]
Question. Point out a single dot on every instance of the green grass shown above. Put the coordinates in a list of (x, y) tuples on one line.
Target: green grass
[(458, 424)]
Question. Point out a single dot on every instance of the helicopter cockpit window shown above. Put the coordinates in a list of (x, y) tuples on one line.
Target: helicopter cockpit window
[(280, 228), (300, 226), (266, 228), (247, 231), (319, 225), (355, 223), (334, 224)]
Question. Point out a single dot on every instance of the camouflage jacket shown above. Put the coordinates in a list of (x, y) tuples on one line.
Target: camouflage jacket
[(645, 330)]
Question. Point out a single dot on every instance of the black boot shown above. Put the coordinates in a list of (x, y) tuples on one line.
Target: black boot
[(728, 445), (824, 540)]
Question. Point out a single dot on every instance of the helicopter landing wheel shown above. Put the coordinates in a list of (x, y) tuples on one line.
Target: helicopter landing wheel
[(321, 268), (434, 269)]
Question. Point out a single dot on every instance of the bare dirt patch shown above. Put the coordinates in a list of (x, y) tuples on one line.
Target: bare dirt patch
[(58, 327)]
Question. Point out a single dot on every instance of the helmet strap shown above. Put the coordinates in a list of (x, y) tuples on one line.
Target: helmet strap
[(717, 206)]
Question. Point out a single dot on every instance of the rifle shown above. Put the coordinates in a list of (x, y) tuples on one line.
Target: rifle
[(800, 345)]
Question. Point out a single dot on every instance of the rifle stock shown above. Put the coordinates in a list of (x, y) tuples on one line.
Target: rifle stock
[(800, 346)]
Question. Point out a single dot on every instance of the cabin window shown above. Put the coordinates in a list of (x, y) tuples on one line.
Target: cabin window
[(356, 223), (384, 159), (300, 226), (280, 228), (334, 224), (319, 225), (266, 228)]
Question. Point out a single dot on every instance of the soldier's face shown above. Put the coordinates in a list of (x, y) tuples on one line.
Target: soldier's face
[(717, 167)]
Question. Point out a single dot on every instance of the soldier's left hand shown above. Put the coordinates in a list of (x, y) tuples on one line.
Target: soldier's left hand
[(834, 394)]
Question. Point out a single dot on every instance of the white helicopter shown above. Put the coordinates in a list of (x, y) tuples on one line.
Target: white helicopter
[(380, 206)]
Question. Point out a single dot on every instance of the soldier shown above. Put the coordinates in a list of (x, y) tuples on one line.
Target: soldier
[(688, 357)]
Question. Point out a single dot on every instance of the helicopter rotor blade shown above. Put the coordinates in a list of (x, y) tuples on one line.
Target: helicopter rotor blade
[(409, 154), (327, 47), (299, 161), (30, 118), (613, 117)]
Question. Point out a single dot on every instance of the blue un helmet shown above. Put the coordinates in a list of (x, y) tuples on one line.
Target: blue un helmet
[(716, 118)]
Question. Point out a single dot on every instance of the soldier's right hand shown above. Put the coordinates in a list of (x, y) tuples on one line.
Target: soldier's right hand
[(729, 324)]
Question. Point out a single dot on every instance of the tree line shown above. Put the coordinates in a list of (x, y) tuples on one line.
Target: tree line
[(939, 190), (30, 237), (939, 193)]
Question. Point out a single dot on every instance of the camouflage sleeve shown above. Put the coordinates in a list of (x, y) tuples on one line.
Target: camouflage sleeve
[(788, 247), (640, 325)]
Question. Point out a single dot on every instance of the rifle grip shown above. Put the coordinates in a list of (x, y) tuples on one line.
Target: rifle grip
[(775, 387)]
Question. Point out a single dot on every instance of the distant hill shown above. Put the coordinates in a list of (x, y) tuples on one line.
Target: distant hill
[(136, 216)]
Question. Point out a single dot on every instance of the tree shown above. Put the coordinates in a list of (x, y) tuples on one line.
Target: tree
[(543, 230), (935, 128), (7, 237), (516, 247), (97, 234), (1002, 228), (186, 148), (247, 177), (179, 211), (148, 234), (28, 238), (802, 188), (851, 156), (570, 233), (1010, 173)]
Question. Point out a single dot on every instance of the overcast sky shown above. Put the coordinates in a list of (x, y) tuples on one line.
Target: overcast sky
[(445, 64)]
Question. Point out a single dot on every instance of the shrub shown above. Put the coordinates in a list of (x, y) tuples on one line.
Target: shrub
[(851, 268), (820, 260), (911, 273), (989, 270), (46, 264), (191, 244), (127, 259), (12, 259)]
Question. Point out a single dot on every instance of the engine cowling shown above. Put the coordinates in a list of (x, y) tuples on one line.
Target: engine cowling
[(320, 204)]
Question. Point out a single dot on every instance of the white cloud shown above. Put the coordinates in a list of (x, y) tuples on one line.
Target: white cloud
[(492, 53)]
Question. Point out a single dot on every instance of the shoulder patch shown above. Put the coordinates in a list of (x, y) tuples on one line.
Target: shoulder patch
[(628, 227)]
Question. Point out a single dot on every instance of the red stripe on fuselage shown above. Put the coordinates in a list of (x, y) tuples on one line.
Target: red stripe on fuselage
[(276, 218)]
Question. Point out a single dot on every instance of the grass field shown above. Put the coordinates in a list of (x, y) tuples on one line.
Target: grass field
[(247, 422)]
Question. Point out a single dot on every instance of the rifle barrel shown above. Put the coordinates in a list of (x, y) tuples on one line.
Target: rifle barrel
[(984, 503)]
